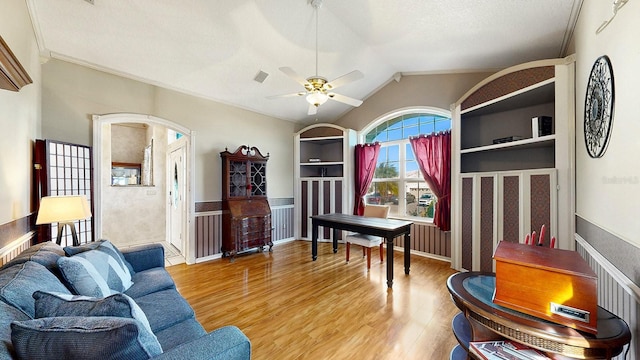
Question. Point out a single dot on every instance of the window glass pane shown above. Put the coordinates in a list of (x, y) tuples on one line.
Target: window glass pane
[(426, 127), (388, 160), (394, 153), (411, 131), (395, 134), (443, 125), (411, 120), (411, 170), (410, 190), (386, 170), (420, 200), (394, 124), (383, 193)]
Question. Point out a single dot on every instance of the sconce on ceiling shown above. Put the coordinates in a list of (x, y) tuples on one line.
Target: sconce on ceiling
[(12, 75)]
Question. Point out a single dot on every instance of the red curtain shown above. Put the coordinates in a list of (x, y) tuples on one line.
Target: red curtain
[(366, 157), (433, 154)]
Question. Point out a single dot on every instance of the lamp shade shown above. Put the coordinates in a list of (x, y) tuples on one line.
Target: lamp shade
[(317, 98), (63, 209)]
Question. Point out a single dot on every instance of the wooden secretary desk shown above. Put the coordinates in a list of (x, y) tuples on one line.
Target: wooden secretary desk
[(246, 215)]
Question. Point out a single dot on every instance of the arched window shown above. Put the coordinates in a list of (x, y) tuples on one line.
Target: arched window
[(397, 181)]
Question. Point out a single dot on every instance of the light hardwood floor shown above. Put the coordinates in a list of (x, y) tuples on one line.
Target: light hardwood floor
[(293, 308)]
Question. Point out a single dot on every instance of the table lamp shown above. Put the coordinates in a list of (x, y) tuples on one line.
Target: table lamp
[(63, 210)]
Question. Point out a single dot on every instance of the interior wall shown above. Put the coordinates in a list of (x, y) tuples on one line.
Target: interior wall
[(608, 188), (19, 115), (219, 127), (133, 215), (128, 142), (72, 93), (435, 90)]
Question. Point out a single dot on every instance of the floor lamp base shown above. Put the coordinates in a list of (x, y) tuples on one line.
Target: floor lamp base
[(74, 235)]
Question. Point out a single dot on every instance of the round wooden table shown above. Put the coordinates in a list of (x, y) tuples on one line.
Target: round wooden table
[(482, 320)]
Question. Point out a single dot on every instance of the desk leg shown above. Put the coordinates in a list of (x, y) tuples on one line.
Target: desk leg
[(390, 262), (335, 240), (407, 252), (314, 241)]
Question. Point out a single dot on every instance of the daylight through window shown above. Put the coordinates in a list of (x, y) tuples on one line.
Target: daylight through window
[(397, 180)]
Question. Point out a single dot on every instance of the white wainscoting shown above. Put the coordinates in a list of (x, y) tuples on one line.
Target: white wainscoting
[(616, 293), (16, 247)]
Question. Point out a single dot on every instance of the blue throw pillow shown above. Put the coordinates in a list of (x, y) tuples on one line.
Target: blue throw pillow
[(81, 337), (19, 282), (108, 261), (101, 245), (58, 304), (46, 253), (82, 277)]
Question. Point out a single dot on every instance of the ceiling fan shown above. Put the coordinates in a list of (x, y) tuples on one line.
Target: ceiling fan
[(317, 89)]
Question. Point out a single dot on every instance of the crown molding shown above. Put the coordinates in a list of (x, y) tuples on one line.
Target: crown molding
[(12, 75)]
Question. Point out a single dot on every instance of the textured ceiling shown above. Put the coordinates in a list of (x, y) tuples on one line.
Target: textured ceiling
[(215, 48)]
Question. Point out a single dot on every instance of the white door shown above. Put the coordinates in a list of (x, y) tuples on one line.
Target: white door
[(177, 192)]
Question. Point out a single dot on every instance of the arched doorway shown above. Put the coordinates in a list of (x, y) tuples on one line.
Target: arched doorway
[(140, 211)]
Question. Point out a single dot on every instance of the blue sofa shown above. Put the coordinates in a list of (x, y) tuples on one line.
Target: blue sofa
[(37, 296)]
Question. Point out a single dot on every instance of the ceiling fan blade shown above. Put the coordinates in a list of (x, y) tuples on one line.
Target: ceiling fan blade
[(345, 99), (301, 93), (312, 110), (344, 79), (294, 75)]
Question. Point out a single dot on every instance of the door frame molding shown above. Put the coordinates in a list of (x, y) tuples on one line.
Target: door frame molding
[(180, 144), (119, 118)]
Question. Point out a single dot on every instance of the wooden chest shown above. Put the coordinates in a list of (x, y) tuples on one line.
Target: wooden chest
[(551, 284)]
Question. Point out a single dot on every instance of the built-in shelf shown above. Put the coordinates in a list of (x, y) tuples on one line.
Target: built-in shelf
[(323, 175), (542, 141), (321, 163), (502, 190), (535, 94)]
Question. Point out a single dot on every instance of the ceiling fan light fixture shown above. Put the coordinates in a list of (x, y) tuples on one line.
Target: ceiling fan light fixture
[(317, 98)]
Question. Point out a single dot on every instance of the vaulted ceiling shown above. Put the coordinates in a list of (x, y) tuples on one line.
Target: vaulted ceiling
[(216, 48)]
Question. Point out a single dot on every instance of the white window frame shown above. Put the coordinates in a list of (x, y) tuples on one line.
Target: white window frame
[(402, 157)]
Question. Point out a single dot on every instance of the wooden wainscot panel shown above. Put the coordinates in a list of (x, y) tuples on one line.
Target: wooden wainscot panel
[(552, 284)]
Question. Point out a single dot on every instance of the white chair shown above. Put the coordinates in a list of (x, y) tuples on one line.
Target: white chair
[(368, 241)]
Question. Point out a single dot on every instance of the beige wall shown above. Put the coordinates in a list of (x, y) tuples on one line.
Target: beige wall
[(133, 215), (435, 90), (608, 188), (128, 142), (220, 126), (19, 115), (72, 93)]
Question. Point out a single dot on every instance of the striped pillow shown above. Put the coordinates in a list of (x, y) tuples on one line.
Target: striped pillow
[(109, 266), (100, 245), (83, 278)]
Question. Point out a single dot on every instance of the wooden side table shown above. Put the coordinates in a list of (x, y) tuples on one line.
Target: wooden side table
[(482, 320)]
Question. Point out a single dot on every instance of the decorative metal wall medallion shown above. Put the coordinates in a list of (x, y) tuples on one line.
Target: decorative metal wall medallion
[(598, 107)]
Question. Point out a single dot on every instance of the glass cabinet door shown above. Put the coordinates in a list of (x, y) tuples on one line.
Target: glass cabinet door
[(258, 179), (237, 178)]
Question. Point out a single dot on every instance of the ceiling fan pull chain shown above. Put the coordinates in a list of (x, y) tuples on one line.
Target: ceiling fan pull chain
[(317, 25)]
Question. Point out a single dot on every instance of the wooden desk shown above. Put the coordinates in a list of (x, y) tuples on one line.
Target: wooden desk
[(483, 320), (386, 228)]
